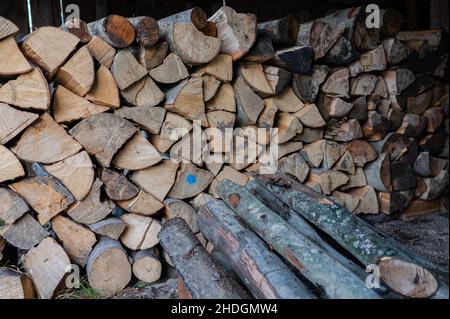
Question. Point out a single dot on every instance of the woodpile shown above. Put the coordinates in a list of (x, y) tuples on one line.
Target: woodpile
[(114, 149)]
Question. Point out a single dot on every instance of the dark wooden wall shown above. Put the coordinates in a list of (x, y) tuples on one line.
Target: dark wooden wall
[(48, 12)]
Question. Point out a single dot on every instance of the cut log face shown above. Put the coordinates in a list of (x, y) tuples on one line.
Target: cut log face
[(36, 48), (337, 83), (254, 76), (101, 51), (69, 107), (310, 116), (10, 167), (221, 119), (116, 30), (28, 91), (47, 265), (248, 104), (91, 210), (143, 204), (76, 173), (101, 142), (373, 60), (143, 93), (191, 45), (25, 233), (297, 59), (435, 186), (141, 232), (236, 30), (12, 60), (158, 179), (186, 99), (172, 70), (116, 186), (78, 73), (282, 32), (146, 265), (306, 86), (196, 15), (362, 152), (146, 29), (137, 153), (175, 208), (108, 268), (45, 195), (368, 203), (173, 129), (77, 240), (149, 118), (13, 121), (104, 91), (309, 135), (153, 56), (413, 125), (332, 151), (221, 67), (13, 206), (190, 181), (126, 69), (210, 87), (223, 100), (45, 142), (111, 227), (7, 28)]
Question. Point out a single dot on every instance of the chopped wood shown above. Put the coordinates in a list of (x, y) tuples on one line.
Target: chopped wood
[(146, 29), (398, 80), (190, 181), (196, 15), (28, 91), (344, 131), (116, 186), (393, 202), (149, 118), (13, 206), (306, 86), (221, 119), (375, 127), (231, 174), (77, 240), (254, 76), (294, 165), (13, 284), (355, 180), (287, 101), (310, 116), (282, 32), (171, 70), (104, 91), (373, 60), (262, 51), (320, 35), (12, 61), (153, 56), (173, 128), (267, 116), (345, 163), (296, 59), (413, 125), (435, 117), (333, 107), (7, 28), (348, 201), (402, 177), (362, 152), (24, 233), (147, 266), (35, 48), (224, 99), (143, 93), (112, 227), (13, 121), (313, 153), (101, 143), (176, 208), (248, 104), (141, 232), (341, 53), (115, 30), (10, 167), (78, 28), (101, 51), (126, 69), (378, 173), (309, 135), (337, 83), (143, 204), (396, 51), (288, 126), (434, 143), (435, 186), (278, 79), (328, 180)]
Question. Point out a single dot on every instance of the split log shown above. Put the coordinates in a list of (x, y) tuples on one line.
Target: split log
[(363, 84), (337, 83), (69, 107), (373, 60), (375, 127), (236, 30), (355, 180), (143, 204), (137, 153), (35, 48), (318, 267), (172, 70), (7, 28), (346, 200), (91, 210), (254, 76), (282, 32), (28, 91), (426, 165), (362, 152), (380, 247), (345, 164), (157, 180), (402, 177), (266, 118), (310, 116), (309, 135), (143, 93), (200, 200), (393, 202), (231, 174), (13, 122), (413, 125), (195, 15), (396, 51), (378, 173), (10, 167), (262, 51), (101, 143), (146, 30), (368, 201), (14, 285), (173, 129), (435, 116), (398, 80), (245, 152), (186, 99), (221, 67), (47, 196), (126, 69), (344, 131), (112, 227), (146, 265), (46, 265), (222, 227), (434, 143), (248, 104), (210, 87), (328, 180), (25, 233), (306, 86), (149, 118), (141, 232), (313, 153), (334, 107), (435, 186), (287, 101), (176, 208), (101, 51), (359, 110), (13, 206), (399, 147), (78, 74), (194, 264), (153, 56), (76, 173), (332, 151), (190, 181), (104, 91), (278, 79), (341, 53), (296, 59), (12, 60), (115, 30), (117, 186), (108, 268), (77, 240), (420, 207), (78, 28), (221, 119), (288, 126)]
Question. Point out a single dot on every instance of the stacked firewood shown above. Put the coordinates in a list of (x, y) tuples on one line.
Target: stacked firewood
[(97, 121)]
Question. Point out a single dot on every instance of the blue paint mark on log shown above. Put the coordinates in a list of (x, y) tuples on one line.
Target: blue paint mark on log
[(191, 179)]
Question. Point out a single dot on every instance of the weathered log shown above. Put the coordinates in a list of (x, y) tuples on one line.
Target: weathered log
[(194, 264), (222, 227), (297, 59), (117, 186), (115, 30), (24, 233), (341, 53), (282, 32), (164, 290), (146, 29), (261, 51)]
